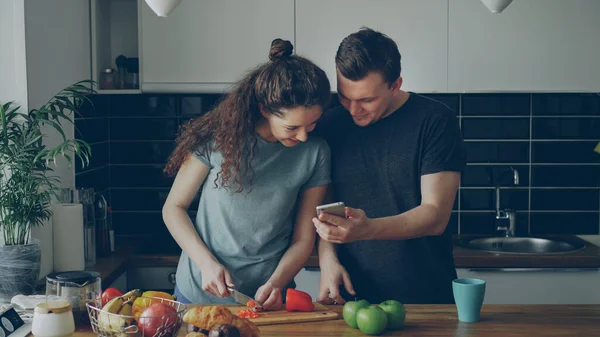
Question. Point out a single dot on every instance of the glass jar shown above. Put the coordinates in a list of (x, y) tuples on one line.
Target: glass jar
[(107, 78)]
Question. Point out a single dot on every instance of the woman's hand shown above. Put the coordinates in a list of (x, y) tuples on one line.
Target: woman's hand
[(216, 279), (269, 297), (332, 275)]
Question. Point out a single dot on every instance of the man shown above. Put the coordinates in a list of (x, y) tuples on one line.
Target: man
[(396, 162)]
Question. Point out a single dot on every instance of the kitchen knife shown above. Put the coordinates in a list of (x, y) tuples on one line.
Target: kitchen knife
[(242, 298)]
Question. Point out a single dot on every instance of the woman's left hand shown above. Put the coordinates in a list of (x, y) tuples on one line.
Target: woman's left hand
[(269, 297)]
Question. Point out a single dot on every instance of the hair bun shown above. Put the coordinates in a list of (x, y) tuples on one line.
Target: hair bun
[(280, 49)]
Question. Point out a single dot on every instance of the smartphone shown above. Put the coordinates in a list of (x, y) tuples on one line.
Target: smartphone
[(336, 208)]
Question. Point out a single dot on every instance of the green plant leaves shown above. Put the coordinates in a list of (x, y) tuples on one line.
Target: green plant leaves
[(26, 183)]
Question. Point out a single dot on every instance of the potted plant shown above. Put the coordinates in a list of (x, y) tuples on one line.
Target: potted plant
[(27, 185)]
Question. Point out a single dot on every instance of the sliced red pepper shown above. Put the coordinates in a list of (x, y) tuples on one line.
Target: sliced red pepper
[(248, 313), (251, 304), (297, 300)]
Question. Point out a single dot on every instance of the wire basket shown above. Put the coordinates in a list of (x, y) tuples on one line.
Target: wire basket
[(107, 324)]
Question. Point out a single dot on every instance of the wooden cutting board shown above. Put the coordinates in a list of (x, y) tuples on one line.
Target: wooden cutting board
[(321, 313)]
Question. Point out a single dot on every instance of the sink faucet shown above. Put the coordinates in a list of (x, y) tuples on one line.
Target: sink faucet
[(506, 218)]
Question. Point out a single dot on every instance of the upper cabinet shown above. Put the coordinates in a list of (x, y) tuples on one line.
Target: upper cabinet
[(419, 27), (533, 45), (115, 45), (206, 45)]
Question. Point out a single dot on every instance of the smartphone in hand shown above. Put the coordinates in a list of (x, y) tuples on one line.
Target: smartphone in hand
[(336, 208)]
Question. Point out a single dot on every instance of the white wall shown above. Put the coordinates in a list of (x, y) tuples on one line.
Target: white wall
[(57, 40), (13, 72)]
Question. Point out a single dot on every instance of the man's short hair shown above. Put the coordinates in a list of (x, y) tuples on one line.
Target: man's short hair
[(367, 51)]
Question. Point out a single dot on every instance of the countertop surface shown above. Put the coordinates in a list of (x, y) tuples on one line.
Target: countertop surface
[(143, 254), (441, 321)]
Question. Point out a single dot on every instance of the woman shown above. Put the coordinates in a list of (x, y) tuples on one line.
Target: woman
[(261, 178)]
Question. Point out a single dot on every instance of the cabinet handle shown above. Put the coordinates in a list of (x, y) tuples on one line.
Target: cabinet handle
[(171, 278), (530, 269)]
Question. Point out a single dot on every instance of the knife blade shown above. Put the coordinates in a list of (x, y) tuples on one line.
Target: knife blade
[(242, 298)]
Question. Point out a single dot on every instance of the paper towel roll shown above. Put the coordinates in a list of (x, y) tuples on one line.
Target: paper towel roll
[(67, 226)]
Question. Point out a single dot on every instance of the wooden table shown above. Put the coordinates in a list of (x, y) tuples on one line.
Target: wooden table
[(441, 320)]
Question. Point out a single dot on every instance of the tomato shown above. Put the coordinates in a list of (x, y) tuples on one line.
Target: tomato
[(109, 294)]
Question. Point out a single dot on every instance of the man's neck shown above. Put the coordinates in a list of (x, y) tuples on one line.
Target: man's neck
[(397, 102)]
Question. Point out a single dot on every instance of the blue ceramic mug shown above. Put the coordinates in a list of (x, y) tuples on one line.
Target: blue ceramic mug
[(468, 295)]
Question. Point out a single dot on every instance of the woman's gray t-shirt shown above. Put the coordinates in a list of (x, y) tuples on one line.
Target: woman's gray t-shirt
[(249, 232)]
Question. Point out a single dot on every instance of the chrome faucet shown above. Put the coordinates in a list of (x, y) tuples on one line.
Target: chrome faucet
[(506, 218)]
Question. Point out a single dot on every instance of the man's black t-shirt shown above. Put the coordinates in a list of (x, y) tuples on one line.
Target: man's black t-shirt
[(378, 169)]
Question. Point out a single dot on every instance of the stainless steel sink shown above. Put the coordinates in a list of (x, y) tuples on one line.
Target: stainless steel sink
[(522, 245)]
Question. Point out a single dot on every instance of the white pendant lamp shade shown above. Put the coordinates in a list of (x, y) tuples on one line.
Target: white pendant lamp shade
[(495, 6), (163, 7)]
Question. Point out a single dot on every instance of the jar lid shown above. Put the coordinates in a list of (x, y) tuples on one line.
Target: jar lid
[(78, 277), (53, 307)]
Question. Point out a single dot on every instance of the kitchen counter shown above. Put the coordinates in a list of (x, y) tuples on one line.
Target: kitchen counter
[(141, 255), (441, 320)]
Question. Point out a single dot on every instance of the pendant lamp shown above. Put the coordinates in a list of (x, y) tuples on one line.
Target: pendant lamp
[(163, 7), (495, 6)]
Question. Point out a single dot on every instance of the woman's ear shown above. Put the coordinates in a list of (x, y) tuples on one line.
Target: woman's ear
[(263, 112)]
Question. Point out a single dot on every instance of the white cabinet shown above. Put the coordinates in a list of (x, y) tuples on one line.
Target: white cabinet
[(308, 280), (533, 45), (206, 45), (419, 27), (538, 286), (114, 32)]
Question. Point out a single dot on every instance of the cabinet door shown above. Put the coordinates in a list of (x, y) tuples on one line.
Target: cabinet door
[(419, 27), (532, 45), (206, 45), (537, 286)]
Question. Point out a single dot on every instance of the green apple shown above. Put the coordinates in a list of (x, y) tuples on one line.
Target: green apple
[(371, 320), (396, 313), (350, 309)]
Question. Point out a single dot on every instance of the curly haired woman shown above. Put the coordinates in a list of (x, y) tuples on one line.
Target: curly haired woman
[(260, 177)]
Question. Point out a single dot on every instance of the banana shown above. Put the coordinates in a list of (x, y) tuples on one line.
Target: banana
[(131, 295), (114, 305), (126, 310)]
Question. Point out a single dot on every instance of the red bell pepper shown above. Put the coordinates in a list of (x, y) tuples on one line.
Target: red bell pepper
[(297, 300)]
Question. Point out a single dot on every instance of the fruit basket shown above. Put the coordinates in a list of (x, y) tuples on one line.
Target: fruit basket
[(162, 318)]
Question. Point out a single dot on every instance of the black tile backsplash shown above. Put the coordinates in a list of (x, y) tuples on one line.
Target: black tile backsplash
[(497, 152), (564, 199), (140, 175), (495, 105), (143, 105), (143, 128), (573, 152), (548, 138), (566, 128), (495, 128), (147, 152), (565, 175), (574, 104)]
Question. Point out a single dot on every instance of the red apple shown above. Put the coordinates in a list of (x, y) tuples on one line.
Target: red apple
[(159, 320)]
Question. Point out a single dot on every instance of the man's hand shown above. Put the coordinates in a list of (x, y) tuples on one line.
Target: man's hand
[(336, 229), (332, 275)]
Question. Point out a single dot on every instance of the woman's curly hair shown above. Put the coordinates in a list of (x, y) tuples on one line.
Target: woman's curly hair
[(288, 81)]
